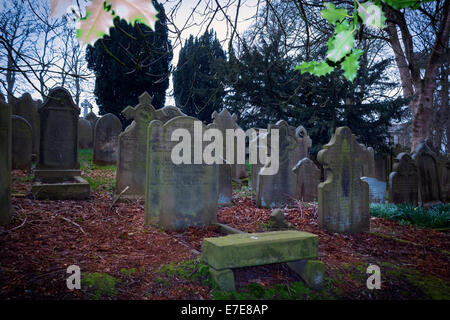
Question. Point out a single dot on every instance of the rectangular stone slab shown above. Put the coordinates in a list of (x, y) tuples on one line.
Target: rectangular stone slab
[(244, 250)]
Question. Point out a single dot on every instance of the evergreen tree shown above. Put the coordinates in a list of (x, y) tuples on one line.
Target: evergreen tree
[(197, 87), (264, 88), (131, 60)]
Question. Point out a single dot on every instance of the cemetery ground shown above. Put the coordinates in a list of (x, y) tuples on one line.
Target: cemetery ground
[(121, 259)]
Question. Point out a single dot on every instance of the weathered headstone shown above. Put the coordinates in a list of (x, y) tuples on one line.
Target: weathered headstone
[(278, 189), (131, 163), (223, 121), (343, 196), (368, 169), (304, 143), (26, 108), (92, 118), (106, 137), (58, 175), (377, 189), (428, 170), (403, 181), (255, 167), (22, 143), (84, 134), (5, 162), (178, 195), (308, 178)]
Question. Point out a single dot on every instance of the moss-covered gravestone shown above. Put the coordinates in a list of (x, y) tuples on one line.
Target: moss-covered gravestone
[(84, 134), (343, 196), (223, 121), (22, 143), (277, 189), (178, 195), (58, 174), (131, 163), (403, 181), (428, 172), (308, 178), (5, 162), (106, 137)]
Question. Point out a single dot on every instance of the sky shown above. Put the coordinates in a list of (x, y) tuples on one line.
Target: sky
[(194, 22)]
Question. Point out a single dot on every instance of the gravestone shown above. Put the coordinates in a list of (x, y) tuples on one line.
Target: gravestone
[(369, 165), (106, 137), (445, 177), (92, 118), (5, 162), (84, 134), (26, 108), (377, 189), (303, 145), (58, 175), (403, 181), (131, 162), (178, 196), (428, 171), (255, 167), (343, 196), (278, 189), (223, 121), (22, 143), (308, 178)]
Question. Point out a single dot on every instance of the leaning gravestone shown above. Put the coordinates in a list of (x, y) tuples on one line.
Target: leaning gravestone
[(223, 121), (308, 178), (131, 163), (278, 189), (22, 143), (403, 181), (26, 108), (5, 162), (428, 170), (84, 134), (343, 196), (178, 196), (58, 175), (106, 136)]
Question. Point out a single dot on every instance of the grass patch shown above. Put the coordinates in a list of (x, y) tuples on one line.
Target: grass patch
[(102, 284), (97, 176), (435, 217), (85, 157), (188, 270)]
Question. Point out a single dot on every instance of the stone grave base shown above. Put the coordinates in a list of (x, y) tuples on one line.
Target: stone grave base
[(55, 176), (75, 188), (298, 249)]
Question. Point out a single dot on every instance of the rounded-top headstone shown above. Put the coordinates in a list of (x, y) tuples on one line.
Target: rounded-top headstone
[(84, 134), (22, 143), (106, 135)]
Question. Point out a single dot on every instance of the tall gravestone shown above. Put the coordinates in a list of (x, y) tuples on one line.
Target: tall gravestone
[(369, 165), (304, 143), (5, 162), (223, 121), (106, 137), (26, 108), (428, 171), (131, 163), (84, 134), (178, 195), (308, 178), (343, 196), (275, 190), (403, 181), (58, 175), (22, 143)]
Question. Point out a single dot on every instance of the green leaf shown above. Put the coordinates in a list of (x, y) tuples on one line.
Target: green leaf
[(341, 45), (401, 4), (333, 14), (372, 15), (343, 26), (314, 67), (350, 64)]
